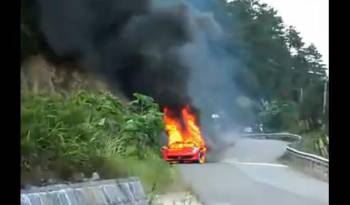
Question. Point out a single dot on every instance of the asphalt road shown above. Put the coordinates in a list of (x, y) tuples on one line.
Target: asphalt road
[(248, 174)]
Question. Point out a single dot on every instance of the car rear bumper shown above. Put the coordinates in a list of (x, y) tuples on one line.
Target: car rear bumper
[(177, 156)]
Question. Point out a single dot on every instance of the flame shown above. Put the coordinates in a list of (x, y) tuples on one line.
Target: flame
[(183, 132)]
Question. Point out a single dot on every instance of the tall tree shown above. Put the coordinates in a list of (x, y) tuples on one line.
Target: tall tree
[(315, 61), (293, 40)]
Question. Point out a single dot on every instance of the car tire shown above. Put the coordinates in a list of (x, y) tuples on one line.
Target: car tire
[(201, 159)]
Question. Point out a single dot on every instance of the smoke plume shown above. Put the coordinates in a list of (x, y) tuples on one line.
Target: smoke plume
[(166, 49)]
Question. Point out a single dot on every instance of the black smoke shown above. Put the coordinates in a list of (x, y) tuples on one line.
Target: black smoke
[(135, 47), (167, 49)]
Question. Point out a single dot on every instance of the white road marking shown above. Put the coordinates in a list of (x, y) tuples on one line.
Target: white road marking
[(256, 163)]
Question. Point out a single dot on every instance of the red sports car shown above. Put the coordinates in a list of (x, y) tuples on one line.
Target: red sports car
[(184, 153)]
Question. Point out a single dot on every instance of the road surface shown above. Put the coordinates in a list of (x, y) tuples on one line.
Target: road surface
[(248, 174)]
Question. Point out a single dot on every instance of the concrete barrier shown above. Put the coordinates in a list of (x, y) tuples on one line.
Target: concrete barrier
[(105, 192)]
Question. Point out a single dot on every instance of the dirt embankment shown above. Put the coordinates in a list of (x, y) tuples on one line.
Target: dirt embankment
[(40, 75)]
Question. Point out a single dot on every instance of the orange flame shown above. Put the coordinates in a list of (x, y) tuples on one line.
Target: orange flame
[(186, 134)]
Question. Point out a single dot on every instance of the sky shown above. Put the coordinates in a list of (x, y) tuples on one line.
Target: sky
[(310, 18)]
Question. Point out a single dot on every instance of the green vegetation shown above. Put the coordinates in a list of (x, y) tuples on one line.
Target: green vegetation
[(316, 142), (284, 116), (86, 132)]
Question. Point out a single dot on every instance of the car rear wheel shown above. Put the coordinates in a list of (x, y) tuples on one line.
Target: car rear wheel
[(201, 159)]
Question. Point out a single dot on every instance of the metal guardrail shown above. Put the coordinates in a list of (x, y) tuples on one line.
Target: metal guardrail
[(310, 157), (318, 164)]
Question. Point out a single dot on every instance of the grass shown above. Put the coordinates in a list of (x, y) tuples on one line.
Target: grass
[(156, 175), (315, 142), (63, 134)]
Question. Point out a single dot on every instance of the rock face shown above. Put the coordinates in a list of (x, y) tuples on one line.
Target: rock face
[(104, 192), (95, 176)]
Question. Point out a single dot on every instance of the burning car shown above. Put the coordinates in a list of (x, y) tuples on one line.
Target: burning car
[(185, 141), (183, 153)]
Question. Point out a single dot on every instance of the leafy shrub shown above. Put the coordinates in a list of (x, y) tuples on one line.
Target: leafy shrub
[(81, 130), (316, 142)]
